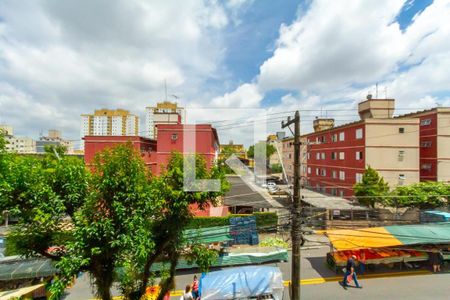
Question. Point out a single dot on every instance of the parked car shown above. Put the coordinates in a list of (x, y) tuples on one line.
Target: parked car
[(271, 183)]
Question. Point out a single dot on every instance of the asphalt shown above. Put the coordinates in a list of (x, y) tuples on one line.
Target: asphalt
[(319, 282)]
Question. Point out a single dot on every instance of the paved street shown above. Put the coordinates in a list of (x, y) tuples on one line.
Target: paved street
[(423, 286)]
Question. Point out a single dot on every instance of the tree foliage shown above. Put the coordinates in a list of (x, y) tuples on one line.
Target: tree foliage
[(270, 149), (115, 217), (422, 195), (371, 189)]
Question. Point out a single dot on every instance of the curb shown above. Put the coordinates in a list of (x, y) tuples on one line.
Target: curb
[(320, 280)]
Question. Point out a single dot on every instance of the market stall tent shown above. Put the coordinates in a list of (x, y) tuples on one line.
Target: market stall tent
[(389, 236)]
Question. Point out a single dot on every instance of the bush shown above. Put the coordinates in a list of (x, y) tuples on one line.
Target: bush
[(263, 219)]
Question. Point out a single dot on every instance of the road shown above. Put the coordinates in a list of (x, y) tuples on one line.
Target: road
[(323, 282)]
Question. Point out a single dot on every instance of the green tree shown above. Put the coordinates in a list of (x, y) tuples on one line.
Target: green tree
[(422, 195), (371, 189), (226, 152), (116, 217), (43, 194), (113, 217), (270, 149), (176, 216)]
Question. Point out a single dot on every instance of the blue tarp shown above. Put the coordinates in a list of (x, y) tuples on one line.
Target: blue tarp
[(242, 282), (434, 216)]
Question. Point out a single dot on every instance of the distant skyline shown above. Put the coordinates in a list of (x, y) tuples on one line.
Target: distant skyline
[(60, 59)]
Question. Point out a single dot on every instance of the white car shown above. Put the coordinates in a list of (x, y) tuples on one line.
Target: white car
[(271, 183)]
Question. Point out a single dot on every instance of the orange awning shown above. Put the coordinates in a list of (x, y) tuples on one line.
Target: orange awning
[(374, 237)]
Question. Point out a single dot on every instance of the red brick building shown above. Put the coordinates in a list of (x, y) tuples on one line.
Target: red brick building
[(156, 153), (336, 157), (180, 138)]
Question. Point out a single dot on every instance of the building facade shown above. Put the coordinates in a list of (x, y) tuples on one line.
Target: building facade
[(163, 113), (53, 138), (434, 143), (17, 144), (337, 156), (156, 153), (287, 150), (105, 122)]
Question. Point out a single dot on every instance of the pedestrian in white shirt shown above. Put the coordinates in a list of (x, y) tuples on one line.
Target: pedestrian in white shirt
[(187, 293)]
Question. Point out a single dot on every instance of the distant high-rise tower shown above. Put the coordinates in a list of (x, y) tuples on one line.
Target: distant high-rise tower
[(109, 122), (163, 113)]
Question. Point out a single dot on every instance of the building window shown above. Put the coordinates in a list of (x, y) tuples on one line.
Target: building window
[(334, 138), (425, 122), (323, 155), (425, 144), (334, 174), (174, 136), (323, 172), (309, 170), (426, 166), (342, 136), (318, 155), (341, 193), (359, 133), (342, 175), (401, 130), (290, 155), (333, 155), (341, 155), (308, 156), (359, 177), (317, 171), (359, 155), (401, 155), (290, 167), (401, 179)]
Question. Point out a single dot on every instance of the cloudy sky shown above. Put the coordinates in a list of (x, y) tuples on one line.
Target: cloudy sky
[(59, 59)]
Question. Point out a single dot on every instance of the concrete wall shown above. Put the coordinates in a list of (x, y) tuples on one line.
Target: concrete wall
[(393, 154), (443, 144)]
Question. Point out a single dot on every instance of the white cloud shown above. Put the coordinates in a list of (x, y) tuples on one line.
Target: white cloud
[(246, 95), (76, 56), (336, 44)]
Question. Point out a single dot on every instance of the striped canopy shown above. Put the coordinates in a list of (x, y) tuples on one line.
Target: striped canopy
[(389, 236)]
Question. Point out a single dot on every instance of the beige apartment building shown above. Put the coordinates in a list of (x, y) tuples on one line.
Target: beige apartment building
[(163, 113), (110, 122), (17, 144)]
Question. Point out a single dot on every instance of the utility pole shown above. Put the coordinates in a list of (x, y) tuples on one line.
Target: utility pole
[(296, 233)]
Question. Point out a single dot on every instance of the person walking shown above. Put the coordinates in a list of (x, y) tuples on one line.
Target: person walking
[(350, 272), (187, 294), (195, 288), (435, 260)]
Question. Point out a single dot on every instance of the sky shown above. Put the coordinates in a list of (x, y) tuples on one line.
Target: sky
[(247, 59)]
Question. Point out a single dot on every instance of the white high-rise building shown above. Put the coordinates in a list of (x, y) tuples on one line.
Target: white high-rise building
[(163, 113)]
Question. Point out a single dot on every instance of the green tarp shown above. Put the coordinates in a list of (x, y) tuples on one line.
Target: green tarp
[(436, 233), (11, 269), (234, 259), (208, 235)]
